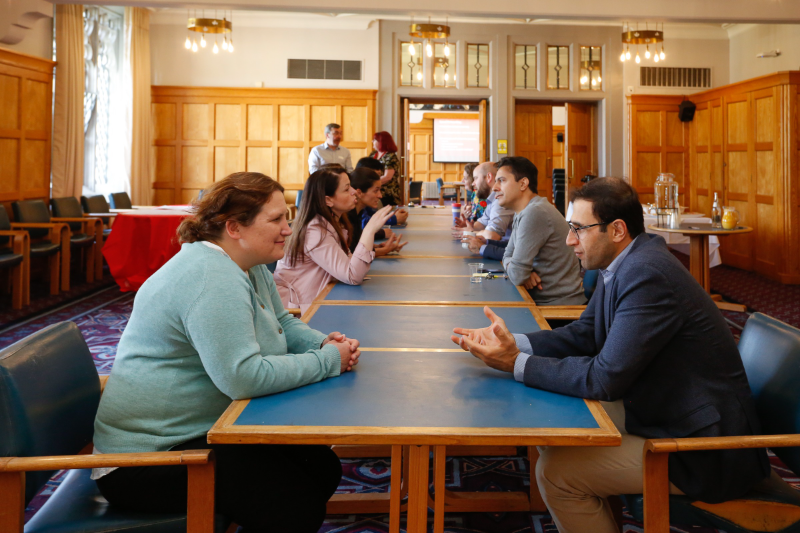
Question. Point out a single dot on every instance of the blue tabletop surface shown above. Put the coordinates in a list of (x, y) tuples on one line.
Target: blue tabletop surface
[(412, 326), (402, 389), (431, 266), (432, 242), (426, 289)]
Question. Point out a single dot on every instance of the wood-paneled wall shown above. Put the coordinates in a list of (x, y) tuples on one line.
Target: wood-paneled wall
[(202, 134), (26, 113), (744, 144), (658, 142)]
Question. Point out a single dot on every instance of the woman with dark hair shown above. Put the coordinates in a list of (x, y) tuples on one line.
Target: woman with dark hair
[(208, 328), (385, 150), (367, 186), (318, 249)]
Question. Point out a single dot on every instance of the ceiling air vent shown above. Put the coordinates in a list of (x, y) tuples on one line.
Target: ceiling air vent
[(675, 77), (324, 69)]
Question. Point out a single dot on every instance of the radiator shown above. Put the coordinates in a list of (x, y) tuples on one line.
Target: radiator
[(429, 190)]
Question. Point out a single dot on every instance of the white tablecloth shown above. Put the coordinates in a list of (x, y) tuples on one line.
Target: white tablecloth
[(680, 242)]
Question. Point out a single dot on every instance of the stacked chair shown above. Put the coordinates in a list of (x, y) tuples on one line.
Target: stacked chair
[(15, 256), (86, 233), (559, 190), (770, 351), (47, 422), (415, 192), (47, 239)]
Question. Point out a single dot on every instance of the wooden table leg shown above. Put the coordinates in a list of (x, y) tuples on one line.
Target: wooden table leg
[(439, 461), (395, 489), (418, 489), (698, 260)]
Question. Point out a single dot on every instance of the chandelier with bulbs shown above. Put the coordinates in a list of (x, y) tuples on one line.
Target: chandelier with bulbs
[(214, 26), (428, 32), (646, 37)]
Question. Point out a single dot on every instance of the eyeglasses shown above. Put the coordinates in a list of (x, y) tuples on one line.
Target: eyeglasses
[(577, 229)]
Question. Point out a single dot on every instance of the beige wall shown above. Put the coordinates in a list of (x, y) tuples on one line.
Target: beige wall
[(749, 40), (263, 44), (38, 41)]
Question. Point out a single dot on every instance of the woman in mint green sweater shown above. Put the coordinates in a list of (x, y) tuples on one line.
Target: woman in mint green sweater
[(208, 328)]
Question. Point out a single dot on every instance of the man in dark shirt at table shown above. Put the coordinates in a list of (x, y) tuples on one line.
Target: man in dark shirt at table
[(653, 344)]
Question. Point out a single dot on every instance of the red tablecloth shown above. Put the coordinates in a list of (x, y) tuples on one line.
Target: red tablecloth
[(140, 244)]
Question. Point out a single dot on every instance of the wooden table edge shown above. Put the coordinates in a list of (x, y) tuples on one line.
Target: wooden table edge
[(709, 232)]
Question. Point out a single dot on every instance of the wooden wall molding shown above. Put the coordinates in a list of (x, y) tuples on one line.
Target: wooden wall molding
[(202, 134), (744, 143), (26, 93)]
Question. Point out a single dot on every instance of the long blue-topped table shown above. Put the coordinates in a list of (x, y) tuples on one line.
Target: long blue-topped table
[(414, 389), (419, 400), (421, 327)]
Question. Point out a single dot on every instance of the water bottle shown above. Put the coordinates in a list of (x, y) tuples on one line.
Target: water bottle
[(456, 212), (716, 213)]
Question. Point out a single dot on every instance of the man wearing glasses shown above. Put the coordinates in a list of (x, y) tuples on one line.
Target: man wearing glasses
[(652, 344)]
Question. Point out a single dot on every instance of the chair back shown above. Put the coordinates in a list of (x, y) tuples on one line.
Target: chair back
[(770, 351), (120, 200), (559, 189), (5, 225), (590, 283), (415, 190), (298, 199), (32, 211), (50, 392), (96, 204), (439, 184), (68, 207), (200, 194)]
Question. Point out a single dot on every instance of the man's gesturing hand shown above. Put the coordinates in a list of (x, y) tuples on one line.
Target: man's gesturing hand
[(494, 345)]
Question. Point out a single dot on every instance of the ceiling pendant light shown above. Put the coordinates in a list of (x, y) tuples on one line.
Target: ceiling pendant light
[(638, 60), (224, 43), (419, 75), (188, 43), (622, 56), (656, 58), (647, 52), (429, 49), (194, 46), (214, 26), (411, 49), (446, 49), (646, 37)]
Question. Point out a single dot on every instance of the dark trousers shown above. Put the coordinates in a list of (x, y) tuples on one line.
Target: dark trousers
[(269, 488)]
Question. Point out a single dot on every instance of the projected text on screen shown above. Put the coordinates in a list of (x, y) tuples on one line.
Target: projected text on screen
[(456, 140)]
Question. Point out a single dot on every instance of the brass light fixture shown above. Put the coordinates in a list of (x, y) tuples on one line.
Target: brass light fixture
[(213, 26), (428, 32), (646, 37)]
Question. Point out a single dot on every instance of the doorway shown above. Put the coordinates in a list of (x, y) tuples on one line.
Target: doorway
[(417, 141), (557, 137)]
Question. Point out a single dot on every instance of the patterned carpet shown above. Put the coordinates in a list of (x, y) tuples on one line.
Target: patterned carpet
[(101, 316)]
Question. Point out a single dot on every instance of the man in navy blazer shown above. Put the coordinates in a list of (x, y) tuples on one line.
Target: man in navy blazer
[(652, 342)]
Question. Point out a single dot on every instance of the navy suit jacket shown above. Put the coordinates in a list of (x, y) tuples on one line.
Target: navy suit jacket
[(659, 343)]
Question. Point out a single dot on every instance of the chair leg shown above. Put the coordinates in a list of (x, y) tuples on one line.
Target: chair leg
[(17, 290), (26, 276), (54, 262), (12, 501), (65, 259), (200, 505)]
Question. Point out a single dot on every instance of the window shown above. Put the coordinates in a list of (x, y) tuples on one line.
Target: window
[(525, 66), (103, 102), (591, 68), (411, 64), (477, 65), (444, 66), (558, 67)]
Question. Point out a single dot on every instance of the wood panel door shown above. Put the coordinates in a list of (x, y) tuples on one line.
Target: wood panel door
[(579, 140), (739, 193), (558, 147), (533, 139)]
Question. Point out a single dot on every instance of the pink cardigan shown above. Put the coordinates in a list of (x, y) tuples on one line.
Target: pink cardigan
[(324, 259)]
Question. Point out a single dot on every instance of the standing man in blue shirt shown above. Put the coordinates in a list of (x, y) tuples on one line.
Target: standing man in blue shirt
[(330, 152)]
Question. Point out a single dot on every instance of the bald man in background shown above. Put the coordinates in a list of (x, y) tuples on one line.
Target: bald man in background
[(496, 219)]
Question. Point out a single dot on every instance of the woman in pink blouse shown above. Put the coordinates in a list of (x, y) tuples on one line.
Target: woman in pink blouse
[(318, 250)]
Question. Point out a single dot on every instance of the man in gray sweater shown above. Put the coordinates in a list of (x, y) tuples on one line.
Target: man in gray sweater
[(537, 256)]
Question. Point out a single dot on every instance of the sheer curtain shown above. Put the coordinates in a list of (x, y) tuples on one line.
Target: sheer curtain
[(137, 67), (67, 155)]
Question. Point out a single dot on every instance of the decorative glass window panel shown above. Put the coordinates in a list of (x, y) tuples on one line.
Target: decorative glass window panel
[(411, 65), (558, 67), (444, 66), (477, 65), (525, 66), (591, 68)]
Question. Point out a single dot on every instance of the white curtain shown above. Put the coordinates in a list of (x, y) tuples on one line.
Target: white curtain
[(137, 68), (67, 155)]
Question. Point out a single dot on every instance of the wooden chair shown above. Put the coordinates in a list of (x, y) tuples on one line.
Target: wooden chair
[(48, 421), (120, 200), (770, 351), (86, 234), (15, 256), (95, 205), (47, 239)]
